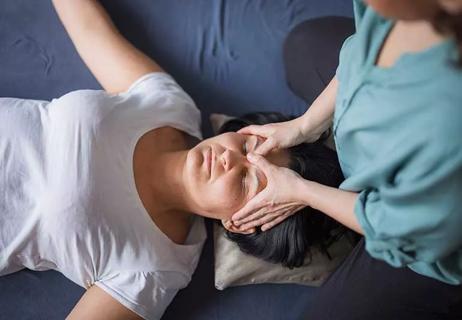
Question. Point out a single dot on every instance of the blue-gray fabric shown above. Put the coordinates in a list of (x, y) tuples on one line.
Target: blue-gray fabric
[(227, 54)]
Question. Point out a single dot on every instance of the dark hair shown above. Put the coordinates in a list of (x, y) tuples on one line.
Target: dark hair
[(290, 241), (451, 24)]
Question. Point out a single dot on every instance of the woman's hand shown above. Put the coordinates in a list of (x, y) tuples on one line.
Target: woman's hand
[(281, 135), (307, 128), (280, 198)]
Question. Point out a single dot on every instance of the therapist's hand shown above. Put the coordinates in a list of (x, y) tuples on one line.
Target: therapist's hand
[(279, 200), (281, 135)]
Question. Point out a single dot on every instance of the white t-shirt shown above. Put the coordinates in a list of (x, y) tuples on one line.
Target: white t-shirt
[(68, 199)]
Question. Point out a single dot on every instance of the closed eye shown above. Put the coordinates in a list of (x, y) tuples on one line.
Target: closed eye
[(244, 181)]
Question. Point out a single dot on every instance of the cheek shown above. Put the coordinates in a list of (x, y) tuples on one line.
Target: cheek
[(222, 198)]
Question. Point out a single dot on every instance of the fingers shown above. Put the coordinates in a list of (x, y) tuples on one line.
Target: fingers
[(260, 162), (243, 230), (228, 225), (251, 207), (267, 217), (274, 222), (266, 213), (252, 217), (266, 146), (262, 131), (254, 130)]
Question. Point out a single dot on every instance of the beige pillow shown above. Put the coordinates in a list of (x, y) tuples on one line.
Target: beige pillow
[(235, 268)]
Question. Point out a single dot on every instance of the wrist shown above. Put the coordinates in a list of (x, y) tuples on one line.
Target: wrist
[(311, 127), (307, 193), (302, 194)]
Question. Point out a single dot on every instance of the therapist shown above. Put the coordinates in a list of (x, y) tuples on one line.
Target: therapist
[(396, 107)]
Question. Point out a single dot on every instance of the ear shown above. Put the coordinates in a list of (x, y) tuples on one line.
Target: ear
[(217, 120), (229, 225)]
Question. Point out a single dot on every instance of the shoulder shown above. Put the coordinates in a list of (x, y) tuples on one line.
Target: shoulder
[(161, 101), (81, 107)]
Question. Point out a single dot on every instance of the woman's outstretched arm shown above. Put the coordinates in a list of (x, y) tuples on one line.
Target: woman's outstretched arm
[(97, 304), (111, 58)]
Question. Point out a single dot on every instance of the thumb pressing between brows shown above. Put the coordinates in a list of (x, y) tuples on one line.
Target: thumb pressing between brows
[(259, 161)]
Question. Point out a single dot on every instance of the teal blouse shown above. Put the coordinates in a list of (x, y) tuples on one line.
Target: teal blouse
[(398, 133)]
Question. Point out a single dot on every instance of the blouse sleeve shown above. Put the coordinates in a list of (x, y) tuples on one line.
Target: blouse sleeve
[(147, 294), (416, 216)]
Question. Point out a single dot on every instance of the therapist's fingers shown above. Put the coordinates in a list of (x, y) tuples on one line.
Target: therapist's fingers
[(261, 163), (268, 145), (271, 219), (266, 218), (254, 130), (278, 220), (249, 209), (252, 208), (255, 215), (247, 230), (264, 131), (265, 210), (230, 226)]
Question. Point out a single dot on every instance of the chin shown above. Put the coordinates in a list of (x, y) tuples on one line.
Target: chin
[(212, 213)]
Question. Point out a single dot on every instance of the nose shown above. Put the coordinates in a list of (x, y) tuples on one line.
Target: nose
[(230, 158)]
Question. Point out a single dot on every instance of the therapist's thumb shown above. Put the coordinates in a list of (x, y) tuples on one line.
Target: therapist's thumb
[(268, 145), (253, 130), (259, 161)]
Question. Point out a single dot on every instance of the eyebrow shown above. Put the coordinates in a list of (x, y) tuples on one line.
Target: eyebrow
[(256, 180), (256, 177)]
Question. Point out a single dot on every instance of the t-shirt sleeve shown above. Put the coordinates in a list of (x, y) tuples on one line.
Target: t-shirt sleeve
[(416, 216), (158, 98), (147, 294)]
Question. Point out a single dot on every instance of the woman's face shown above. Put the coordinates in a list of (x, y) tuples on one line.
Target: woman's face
[(218, 176)]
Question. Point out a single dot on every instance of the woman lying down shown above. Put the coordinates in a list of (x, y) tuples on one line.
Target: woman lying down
[(107, 186)]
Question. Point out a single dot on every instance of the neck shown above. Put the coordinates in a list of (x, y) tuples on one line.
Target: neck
[(421, 32), (166, 183)]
